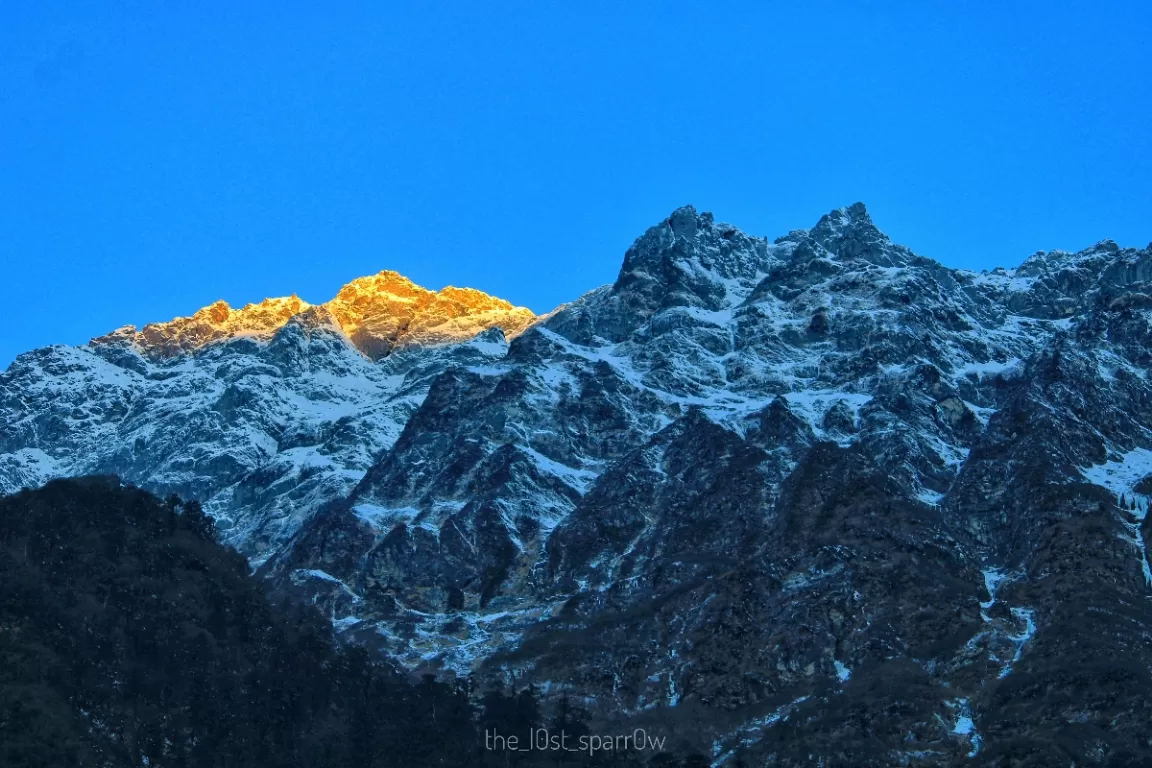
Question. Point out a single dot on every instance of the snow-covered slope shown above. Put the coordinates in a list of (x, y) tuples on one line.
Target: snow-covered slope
[(263, 413)]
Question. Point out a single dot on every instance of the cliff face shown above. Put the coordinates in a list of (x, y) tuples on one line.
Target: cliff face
[(817, 491)]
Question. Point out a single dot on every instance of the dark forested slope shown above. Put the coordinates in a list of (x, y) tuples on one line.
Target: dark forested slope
[(129, 637)]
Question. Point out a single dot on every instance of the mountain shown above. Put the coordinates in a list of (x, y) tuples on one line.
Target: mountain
[(819, 498), (378, 314), (261, 413)]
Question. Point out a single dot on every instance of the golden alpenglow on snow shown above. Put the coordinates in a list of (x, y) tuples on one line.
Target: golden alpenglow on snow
[(379, 313)]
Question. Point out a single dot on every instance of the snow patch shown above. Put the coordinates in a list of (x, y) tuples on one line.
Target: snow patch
[(1025, 615), (580, 479), (990, 368), (346, 623), (993, 578), (318, 574), (965, 725), (1120, 476), (384, 518)]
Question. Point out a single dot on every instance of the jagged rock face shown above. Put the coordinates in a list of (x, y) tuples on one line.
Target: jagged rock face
[(816, 498), (264, 413)]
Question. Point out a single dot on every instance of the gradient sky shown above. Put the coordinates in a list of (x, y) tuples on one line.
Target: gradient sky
[(155, 157)]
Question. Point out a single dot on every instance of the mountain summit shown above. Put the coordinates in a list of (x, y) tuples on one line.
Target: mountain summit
[(263, 412), (378, 314)]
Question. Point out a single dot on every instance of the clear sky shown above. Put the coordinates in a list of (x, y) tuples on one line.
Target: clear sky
[(155, 157)]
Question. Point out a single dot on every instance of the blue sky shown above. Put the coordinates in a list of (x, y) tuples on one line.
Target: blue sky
[(157, 156)]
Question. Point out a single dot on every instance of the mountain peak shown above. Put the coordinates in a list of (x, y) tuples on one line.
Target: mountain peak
[(378, 313), (386, 282), (852, 217), (683, 221), (849, 234)]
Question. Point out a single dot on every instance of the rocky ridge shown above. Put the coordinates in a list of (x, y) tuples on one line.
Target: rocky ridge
[(816, 491), (263, 413), (378, 314)]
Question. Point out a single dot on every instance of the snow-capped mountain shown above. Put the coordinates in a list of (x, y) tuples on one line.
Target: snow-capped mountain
[(820, 480), (262, 413)]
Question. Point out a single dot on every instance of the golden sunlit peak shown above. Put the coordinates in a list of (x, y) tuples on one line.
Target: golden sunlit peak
[(473, 298), (378, 313)]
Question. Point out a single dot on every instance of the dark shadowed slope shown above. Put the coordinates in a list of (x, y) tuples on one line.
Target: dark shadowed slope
[(128, 637)]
